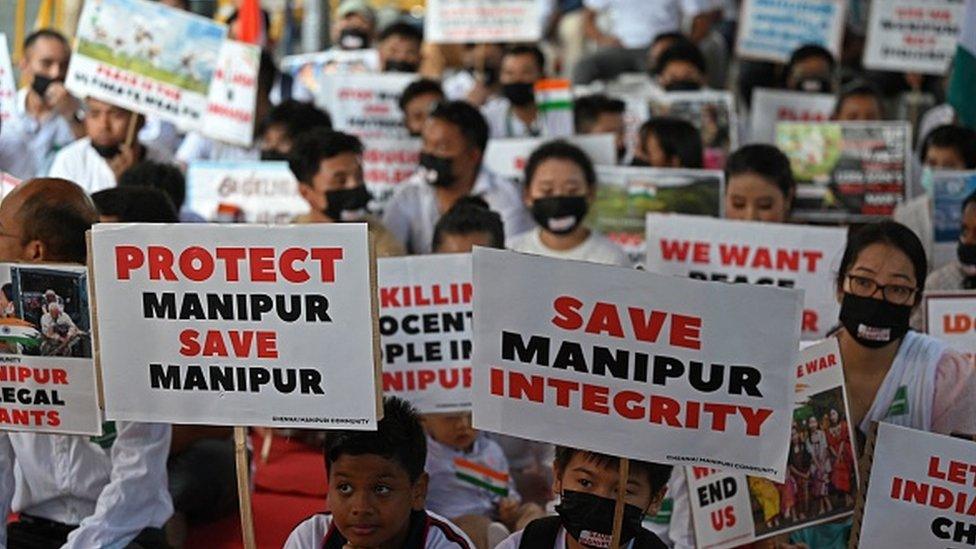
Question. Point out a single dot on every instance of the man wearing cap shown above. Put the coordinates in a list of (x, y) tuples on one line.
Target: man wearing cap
[(354, 26)]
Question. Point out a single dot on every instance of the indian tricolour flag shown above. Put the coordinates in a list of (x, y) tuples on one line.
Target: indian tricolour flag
[(554, 98), (15, 330), (962, 85), (481, 476)]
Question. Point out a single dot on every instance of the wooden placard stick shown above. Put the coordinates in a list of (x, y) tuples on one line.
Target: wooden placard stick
[(130, 133), (244, 487), (864, 469), (618, 509)]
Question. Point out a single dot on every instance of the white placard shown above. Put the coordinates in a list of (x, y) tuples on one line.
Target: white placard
[(249, 325), (507, 157), (770, 30), (244, 192), (913, 35), (233, 94), (770, 107), (8, 89), (467, 21), (386, 164), (951, 317), (366, 105), (634, 364)]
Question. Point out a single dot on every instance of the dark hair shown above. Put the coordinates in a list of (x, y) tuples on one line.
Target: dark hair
[(971, 199), (682, 50), (470, 214), (467, 118), (677, 36), (658, 474), (399, 437), (891, 233), (136, 204), (859, 88), (960, 138), (58, 222), (297, 117), (165, 177), (587, 110), (314, 146), (403, 30), (417, 88), (805, 52), (563, 151), (8, 291), (767, 162), (45, 33), (527, 49), (677, 137)]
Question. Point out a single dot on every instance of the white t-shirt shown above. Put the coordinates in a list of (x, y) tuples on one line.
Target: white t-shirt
[(513, 541), (637, 22), (197, 147), (502, 122), (427, 530), (45, 137), (80, 163), (595, 249)]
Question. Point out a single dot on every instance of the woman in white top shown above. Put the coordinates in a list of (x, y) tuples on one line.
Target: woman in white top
[(560, 187)]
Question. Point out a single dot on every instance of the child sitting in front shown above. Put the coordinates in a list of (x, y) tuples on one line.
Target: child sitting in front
[(587, 486), (377, 491)]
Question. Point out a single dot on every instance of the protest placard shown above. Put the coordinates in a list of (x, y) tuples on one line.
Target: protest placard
[(256, 325), (233, 94), (731, 510), (8, 89), (913, 35), (788, 256), (243, 192), (386, 164), (951, 317), (626, 194), (770, 107), (310, 70), (711, 112), (425, 330), (507, 157), (846, 171), (770, 30), (145, 57), (47, 374), (634, 364), (921, 491), (949, 190), (366, 105), (467, 21)]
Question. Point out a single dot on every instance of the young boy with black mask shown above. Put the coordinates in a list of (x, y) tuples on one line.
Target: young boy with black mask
[(587, 486), (377, 490)]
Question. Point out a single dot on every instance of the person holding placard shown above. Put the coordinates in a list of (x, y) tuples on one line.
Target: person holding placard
[(515, 114), (467, 224), (285, 123), (77, 491), (949, 147), (859, 101), (681, 67), (759, 185), (454, 139), (399, 47), (961, 273), (598, 113), (354, 26), (587, 484), (378, 490), (416, 102), (810, 69), (668, 142), (560, 187)]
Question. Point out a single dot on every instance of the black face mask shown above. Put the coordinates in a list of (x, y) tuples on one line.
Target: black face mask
[(347, 204), (353, 39), (40, 84), (683, 85), (519, 94), (640, 163), (874, 323), (394, 65), (437, 171), (559, 214), (107, 151), (271, 155), (621, 153), (588, 519), (813, 84), (966, 254)]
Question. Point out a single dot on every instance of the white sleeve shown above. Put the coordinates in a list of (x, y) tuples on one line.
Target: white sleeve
[(397, 220), (597, 5), (691, 8), (193, 147), (137, 495), (681, 531), (511, 542), (7, 458), (306, 535)]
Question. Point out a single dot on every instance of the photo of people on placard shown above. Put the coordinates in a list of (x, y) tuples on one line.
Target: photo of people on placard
[(820, 478), (49, 313)]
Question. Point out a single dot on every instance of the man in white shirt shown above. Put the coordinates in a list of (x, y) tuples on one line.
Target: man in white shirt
[(634, 23), (97, 161), (454, 139), (75, 491), (515, 113), (45, 115)]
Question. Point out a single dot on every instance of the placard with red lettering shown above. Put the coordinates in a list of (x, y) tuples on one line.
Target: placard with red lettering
[(913, 35), (237, 324), (233, 94), (8, 89), (467, 21), (921, 492), (367, 105), (507, 157), (731, 509), (146, 57), (788, 256), (634, 364), (770, 107), (386, 164), (47, 374), (246, 191), (425, 330), (951, 317)]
